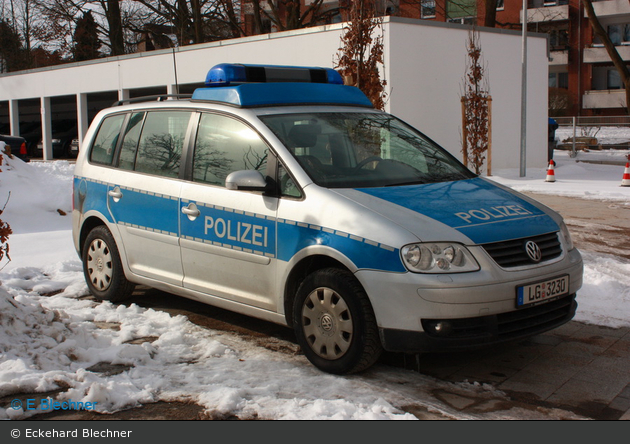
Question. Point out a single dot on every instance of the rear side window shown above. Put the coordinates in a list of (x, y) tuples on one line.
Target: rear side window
[(105, 142), (161, 142), (224, 145), (129, 147)]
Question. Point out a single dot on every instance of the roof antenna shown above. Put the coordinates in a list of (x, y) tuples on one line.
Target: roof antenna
[(172, 44), (175, 71)]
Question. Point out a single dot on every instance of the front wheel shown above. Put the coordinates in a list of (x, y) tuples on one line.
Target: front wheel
[(102, 267), (334, 322)]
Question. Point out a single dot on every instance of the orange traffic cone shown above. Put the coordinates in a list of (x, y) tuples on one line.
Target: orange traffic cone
[(625, 180), (551, 176)]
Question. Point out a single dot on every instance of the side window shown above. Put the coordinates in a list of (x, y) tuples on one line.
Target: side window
[(288, 188), (224, 145), (161, 142), (104, 146), (129, 148)]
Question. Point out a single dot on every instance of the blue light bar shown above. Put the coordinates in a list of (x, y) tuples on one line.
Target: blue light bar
[(249, 95), (271, 85), (235, 73)]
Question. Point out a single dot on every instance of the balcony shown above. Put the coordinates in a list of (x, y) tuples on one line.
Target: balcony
[(558, 57), (609, 8), (546, 14), (610, 98), (598, 54)]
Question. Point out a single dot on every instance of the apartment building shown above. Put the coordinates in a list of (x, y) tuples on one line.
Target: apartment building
[(582, 78)]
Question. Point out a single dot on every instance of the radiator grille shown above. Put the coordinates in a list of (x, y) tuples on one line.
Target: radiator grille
[(512, 253)]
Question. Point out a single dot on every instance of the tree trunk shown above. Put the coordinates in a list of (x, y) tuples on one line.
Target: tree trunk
[(115, 28), (489, 13)]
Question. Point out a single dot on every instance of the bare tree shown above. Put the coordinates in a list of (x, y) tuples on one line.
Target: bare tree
[(194, 21), (24, 18), (5, 228), (361, 53), (476, 107), (282, 15)]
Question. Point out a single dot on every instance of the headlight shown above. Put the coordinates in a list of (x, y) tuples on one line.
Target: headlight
[(438, 257), (567, 236)]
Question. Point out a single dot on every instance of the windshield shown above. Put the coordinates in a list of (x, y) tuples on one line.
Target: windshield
[(356, 150)]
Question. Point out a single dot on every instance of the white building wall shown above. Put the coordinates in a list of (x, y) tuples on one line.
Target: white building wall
[(424, 67)]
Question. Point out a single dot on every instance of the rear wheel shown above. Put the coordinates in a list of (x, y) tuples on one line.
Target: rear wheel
[(334, 322), (102, 267)]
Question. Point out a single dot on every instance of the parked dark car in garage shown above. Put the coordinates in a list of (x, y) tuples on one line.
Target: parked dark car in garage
[(62, 134), (32, 132), (17, 145), (74, 147)]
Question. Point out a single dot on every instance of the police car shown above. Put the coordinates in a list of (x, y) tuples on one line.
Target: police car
[(280, 193)]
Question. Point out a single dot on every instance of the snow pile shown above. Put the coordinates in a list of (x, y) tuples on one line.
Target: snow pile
[(605, 295), (118, 357)]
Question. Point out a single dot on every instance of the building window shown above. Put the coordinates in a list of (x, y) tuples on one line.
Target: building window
[(556, 2), (461, 11), (613, 79), (559, 80), (428, 8), (558, 39), (619, 34)]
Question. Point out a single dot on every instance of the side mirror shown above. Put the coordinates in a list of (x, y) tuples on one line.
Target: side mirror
[(246, 180)]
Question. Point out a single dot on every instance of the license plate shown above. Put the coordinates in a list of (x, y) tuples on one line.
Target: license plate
[(542, 291)]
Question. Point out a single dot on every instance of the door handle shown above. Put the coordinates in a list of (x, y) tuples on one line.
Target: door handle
[(191, 211), (115, 194)]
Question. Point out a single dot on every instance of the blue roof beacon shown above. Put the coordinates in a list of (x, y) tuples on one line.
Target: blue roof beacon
[(263, 85)]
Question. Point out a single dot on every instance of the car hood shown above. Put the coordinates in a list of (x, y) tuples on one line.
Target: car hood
[(476, 208)]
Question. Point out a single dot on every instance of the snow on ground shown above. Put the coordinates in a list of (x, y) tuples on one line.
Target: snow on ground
[(590, 175), (50, 336), (605, 135)]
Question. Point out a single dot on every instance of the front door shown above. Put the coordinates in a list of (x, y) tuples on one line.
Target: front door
[(228, 238)]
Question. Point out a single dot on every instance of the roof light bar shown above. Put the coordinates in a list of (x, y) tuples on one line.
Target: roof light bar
[(235, 73), (278, 94)]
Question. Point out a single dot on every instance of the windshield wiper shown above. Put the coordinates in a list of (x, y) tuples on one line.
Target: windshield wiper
[(410, 182)]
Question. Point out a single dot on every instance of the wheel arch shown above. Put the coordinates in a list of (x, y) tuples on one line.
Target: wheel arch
[(302, 268), (88, 225)]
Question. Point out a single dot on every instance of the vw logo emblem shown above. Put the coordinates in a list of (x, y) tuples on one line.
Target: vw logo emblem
[(327, 322), (533, 251)]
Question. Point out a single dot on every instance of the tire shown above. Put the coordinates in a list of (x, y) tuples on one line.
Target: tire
[(102, 267), (334, 322)]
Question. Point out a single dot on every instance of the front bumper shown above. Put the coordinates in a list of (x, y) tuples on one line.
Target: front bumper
[(420, 313), (472, 333)]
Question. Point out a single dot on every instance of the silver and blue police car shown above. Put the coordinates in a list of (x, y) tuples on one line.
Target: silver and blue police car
[(280, 193)]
